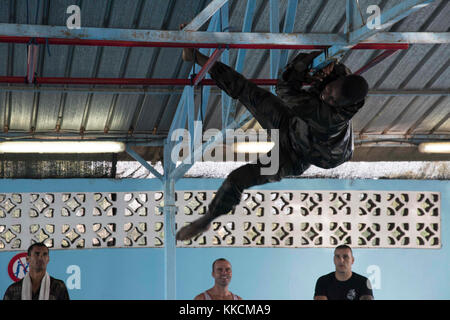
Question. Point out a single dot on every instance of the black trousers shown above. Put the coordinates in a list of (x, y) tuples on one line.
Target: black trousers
[(271, 113)]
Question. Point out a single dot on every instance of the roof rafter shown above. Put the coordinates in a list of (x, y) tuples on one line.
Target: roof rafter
[(200, 39)]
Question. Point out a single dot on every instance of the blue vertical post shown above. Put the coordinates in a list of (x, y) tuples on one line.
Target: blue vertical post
[(353, 19), (169, 227), (171, 152), (213, 25), (288, 27), (274, 28), (185, 110), (169, 209), (228, 110), (190, 113), (246, 27), (226, 100)]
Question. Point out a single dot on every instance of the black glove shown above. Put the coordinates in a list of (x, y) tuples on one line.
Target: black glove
[(298, 69)]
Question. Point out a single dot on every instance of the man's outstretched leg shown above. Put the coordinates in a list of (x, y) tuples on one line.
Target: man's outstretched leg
[(227, 197), (271, 113), (230, 192)]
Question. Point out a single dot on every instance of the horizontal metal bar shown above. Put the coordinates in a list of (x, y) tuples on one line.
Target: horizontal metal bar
[(163, 38), (166, 37), (381, 46), (160, 44), (122, 81), (410, 37), (387, 143), (137, 143), (112, 43), (394, 137), (359, 139), (13, 79), (70, 136), (154, 143), (409, 93), (179, 91)]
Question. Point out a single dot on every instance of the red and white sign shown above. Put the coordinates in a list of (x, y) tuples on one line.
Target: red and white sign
[(18, 266)]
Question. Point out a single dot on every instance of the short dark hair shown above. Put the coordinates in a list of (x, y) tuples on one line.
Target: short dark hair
[(220, 259), (354, 88), (344, 246), (37, 244)]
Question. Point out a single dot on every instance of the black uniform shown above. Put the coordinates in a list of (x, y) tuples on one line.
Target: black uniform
[(352, 289), (310, 131)]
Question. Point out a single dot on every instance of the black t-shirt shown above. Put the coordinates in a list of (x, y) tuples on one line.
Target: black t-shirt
[(351, 289)]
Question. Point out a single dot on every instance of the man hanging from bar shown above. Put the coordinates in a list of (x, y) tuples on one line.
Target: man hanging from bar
[(314, 125)]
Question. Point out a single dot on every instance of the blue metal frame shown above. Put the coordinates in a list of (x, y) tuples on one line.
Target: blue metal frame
[(186, 109), (278, 58), (199, 37), (239, 66), (388, 18), (391, 16), (353, 17), (274, 28), (288, 27), (144, 163), (225, 58)]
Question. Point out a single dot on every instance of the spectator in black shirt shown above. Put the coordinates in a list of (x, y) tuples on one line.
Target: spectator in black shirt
[(37, 283), (343, 284)]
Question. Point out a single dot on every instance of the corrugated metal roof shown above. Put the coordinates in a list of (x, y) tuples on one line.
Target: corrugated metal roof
[(421, 67)]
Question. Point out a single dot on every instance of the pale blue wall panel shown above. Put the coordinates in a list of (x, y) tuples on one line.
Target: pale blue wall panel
[(258, 273)]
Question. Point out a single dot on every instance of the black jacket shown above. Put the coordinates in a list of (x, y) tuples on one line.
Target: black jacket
[(318, 133), (327, 140)]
